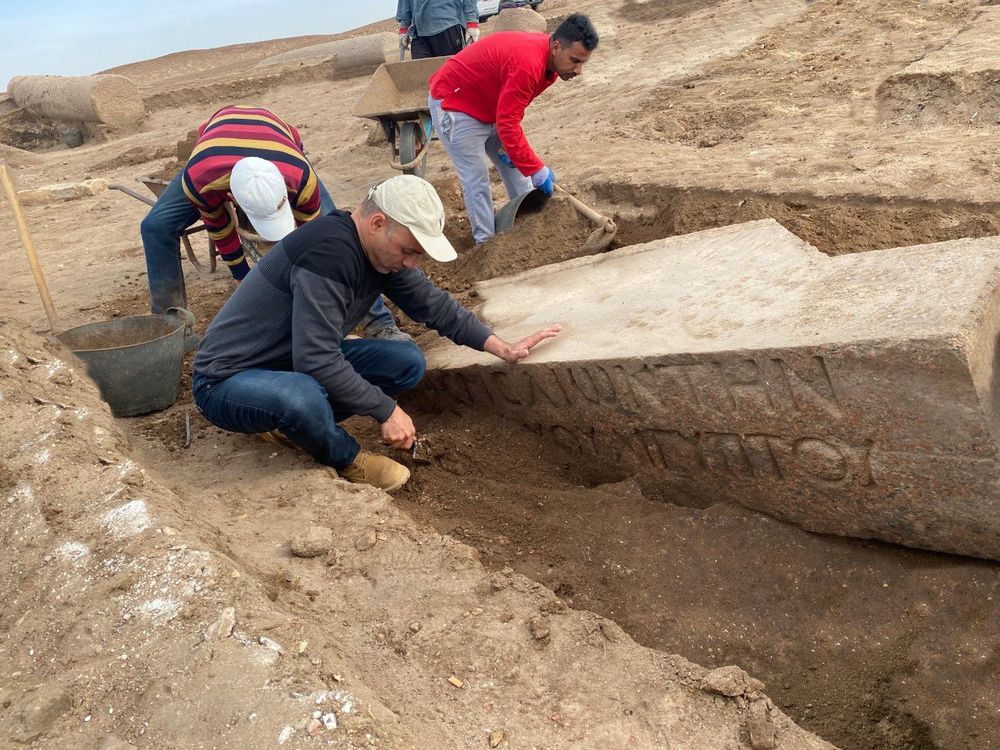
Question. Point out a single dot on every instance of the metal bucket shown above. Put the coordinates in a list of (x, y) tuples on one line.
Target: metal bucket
[(529, 203), (135, 361)]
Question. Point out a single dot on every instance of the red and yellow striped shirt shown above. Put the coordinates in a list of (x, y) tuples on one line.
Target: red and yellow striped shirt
[(229, 135)]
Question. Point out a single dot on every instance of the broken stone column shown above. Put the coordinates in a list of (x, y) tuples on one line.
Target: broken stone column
[(354, 55), (110, 99), (853, 395), (515, 19)]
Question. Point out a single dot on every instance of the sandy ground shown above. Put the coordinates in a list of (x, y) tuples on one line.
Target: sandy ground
[(691, 114)]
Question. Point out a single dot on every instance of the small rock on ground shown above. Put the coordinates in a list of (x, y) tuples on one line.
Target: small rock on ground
[(315, 541)]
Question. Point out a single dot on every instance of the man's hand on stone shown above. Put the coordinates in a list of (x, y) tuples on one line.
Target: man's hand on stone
[(398, 430), (515, 352)]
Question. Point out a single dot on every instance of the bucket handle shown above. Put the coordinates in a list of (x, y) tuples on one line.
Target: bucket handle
[(184, 314)]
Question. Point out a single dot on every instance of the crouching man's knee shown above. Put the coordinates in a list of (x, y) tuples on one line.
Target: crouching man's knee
[(413, 365)]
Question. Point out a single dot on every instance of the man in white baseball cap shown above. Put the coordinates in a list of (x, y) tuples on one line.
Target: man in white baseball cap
[(276, 357), (259, 189), (413, 202)]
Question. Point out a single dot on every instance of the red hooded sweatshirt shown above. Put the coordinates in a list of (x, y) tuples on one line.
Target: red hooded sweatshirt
[(494, 80)]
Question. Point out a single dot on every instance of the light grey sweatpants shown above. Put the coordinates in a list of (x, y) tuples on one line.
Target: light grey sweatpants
[(468, 142)]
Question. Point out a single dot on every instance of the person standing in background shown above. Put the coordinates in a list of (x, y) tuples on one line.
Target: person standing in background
[(436, 28), (477, 101)]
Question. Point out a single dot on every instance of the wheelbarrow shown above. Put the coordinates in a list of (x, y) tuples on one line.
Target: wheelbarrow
[(396, 97)]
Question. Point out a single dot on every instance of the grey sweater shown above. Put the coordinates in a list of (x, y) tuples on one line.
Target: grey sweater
[(311, 289)]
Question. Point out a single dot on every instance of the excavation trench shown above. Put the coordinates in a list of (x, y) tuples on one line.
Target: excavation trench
[(870, 645)]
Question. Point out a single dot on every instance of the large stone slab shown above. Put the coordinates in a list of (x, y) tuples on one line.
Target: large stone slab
[(853, 395)]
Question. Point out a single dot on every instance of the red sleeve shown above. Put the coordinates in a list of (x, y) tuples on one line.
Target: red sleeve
[(515, 96), (295, 136)]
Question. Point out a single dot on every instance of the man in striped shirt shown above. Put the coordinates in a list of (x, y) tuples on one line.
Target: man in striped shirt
[(202, 188)]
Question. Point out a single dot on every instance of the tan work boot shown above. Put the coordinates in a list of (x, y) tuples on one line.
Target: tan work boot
[(277, 436), (376, 470)]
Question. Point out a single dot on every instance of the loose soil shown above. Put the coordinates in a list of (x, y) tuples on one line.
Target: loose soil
[(690, 115)]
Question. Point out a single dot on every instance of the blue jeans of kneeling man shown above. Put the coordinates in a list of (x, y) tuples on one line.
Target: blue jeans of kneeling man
[(256, 401)]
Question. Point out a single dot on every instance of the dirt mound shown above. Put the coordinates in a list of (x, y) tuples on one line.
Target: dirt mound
[(130, 158), (232, 88), (966, 99), (875, 647), (210, 63), (555, 233), (642, 11)]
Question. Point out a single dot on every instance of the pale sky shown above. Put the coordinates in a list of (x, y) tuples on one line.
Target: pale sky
[(79, 37)]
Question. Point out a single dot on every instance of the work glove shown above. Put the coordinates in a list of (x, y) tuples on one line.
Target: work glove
[(545, 180), (502, 156), (471, 33), (404, 37)]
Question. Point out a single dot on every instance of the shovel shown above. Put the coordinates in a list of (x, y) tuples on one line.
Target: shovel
[(600, 238)]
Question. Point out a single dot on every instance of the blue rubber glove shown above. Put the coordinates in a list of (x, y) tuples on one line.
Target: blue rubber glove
[(545, 180), (502, 155)]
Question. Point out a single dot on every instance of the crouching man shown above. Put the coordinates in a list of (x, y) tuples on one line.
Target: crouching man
[(276, 356)]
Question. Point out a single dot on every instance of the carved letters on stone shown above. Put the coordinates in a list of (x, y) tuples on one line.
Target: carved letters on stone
[(854, 395)]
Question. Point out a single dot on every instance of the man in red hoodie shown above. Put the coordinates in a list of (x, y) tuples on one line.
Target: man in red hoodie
[(477, 101)]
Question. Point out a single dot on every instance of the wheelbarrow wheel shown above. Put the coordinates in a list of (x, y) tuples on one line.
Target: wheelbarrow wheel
[(411, 143)]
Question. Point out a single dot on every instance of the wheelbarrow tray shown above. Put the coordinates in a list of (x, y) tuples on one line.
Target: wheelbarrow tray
[(398, 90)]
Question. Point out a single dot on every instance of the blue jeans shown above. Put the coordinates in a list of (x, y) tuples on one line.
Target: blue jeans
[(161, 241), (255, 401)]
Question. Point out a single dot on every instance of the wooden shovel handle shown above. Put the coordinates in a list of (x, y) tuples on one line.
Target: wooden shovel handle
[(585, 210), (29, 247)]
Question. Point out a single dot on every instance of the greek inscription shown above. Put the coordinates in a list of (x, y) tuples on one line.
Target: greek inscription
[(670, 449), (723, 451), (763, 462), (456, 387), (546, 388), (499, 384), (810, 386), (748, 388), (579, 380), (824, 462)]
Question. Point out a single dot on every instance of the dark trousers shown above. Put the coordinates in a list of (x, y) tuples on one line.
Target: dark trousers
[(448, 42)]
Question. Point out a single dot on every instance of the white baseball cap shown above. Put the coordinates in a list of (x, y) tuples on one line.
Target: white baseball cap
[(414, 203), (260, 190)]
